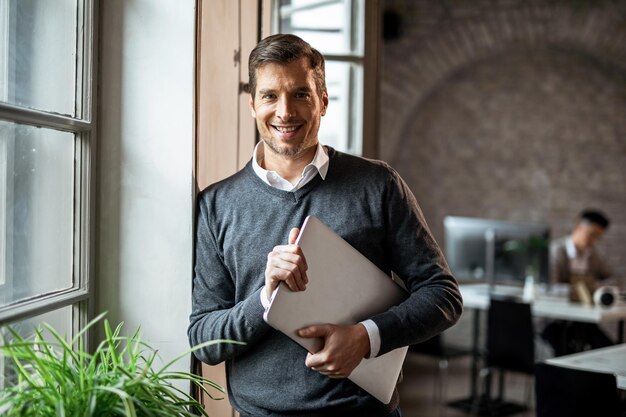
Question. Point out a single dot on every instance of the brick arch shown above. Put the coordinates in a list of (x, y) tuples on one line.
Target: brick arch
[(598, 34), (588, 57)]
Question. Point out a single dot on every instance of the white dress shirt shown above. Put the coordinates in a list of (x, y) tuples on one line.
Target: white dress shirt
[(319, 164), (578, 261)]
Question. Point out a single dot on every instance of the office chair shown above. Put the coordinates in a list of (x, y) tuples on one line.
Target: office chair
[(443, 353), (510, 347), (561, 392)]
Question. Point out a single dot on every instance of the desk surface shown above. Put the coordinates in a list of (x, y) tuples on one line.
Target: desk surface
[(477, 296), (611, 359)]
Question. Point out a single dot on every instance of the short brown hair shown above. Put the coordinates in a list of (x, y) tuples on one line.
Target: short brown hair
[(283, 49)]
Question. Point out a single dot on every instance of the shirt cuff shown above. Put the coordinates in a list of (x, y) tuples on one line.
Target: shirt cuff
[(374, 335), (265, 302)]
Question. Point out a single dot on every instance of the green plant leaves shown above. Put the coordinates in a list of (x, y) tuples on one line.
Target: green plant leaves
[(61, 379)]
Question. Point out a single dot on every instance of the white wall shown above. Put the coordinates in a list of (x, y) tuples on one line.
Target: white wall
[(144, 227)]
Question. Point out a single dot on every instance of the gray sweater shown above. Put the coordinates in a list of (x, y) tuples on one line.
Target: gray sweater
[(241, 219)]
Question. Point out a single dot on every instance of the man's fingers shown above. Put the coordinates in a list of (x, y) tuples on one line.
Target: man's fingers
[(286, 263), (285, 268), (344, 348), (290, 252), (317, 361), (293, 235), (294, 281), (314, 331)]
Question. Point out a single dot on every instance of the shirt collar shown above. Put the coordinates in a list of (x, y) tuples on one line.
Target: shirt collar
[(572, 252), (320, 162)]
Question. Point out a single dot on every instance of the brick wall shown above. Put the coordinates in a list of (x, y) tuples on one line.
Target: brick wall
[(510, 110)]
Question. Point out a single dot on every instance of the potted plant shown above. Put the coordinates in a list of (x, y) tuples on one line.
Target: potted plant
[(61, 379)]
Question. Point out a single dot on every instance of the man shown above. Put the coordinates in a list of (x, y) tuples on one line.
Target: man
[(246, 230), (574, 260), (576, 256)]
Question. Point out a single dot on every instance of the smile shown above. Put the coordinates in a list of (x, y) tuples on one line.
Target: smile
[(286, 129)]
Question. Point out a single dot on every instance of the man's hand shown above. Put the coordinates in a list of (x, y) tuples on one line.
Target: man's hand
[(344, 348), (286, 263)]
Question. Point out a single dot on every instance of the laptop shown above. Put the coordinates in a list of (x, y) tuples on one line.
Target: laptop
[(344, 288)]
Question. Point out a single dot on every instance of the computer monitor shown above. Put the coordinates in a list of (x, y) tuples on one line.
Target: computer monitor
[(496, 251)]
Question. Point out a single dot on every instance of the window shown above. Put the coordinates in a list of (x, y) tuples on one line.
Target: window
[(46, 151), (60, 319), (337, 29)]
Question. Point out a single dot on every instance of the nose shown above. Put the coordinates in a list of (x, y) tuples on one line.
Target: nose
[(285, 109)]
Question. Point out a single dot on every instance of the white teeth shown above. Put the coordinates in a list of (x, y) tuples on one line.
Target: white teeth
[(286, 129)]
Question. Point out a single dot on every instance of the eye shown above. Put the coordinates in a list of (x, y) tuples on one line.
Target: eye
[(268, 96), (302, 95)]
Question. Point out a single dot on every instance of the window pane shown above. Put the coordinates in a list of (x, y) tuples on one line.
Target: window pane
[(60, 320), (341, 126), (37, 182), (331, 27), (336, 29), (38, 54)]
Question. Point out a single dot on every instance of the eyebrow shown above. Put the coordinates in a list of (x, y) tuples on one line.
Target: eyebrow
[(306, 89), (297, 89), (264, 91)]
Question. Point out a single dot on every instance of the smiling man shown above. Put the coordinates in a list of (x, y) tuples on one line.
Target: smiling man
[(245, 247)]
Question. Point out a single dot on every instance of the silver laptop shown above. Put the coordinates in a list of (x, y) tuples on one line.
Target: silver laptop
[(344, 288)]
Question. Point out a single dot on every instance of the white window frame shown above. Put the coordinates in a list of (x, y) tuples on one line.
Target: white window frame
[(366, 132), (83, 125), (4, 161)]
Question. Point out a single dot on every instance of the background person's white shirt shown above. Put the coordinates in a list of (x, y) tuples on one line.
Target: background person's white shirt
[(578, 261)]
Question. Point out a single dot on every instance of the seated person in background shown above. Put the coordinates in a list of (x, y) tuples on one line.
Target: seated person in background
[(575, 261), (574, 258)]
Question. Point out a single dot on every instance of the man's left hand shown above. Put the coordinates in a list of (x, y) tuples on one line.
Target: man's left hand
[(344, 348)]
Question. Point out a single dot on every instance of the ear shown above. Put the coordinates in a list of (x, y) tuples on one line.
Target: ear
[(324, 103), (251, 105)]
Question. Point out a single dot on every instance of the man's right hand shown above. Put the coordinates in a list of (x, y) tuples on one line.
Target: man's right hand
[(286, 263)]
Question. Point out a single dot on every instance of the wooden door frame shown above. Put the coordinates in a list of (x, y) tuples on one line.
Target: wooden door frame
[(224, 130)]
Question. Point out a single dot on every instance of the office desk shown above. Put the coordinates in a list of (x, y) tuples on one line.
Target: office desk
[(476, 297), (610, 359)]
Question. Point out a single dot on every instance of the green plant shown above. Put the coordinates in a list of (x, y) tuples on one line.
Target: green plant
[(61, 379), (531, 248)]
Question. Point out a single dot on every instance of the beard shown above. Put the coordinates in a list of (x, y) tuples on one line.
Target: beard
[(289, 151)]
